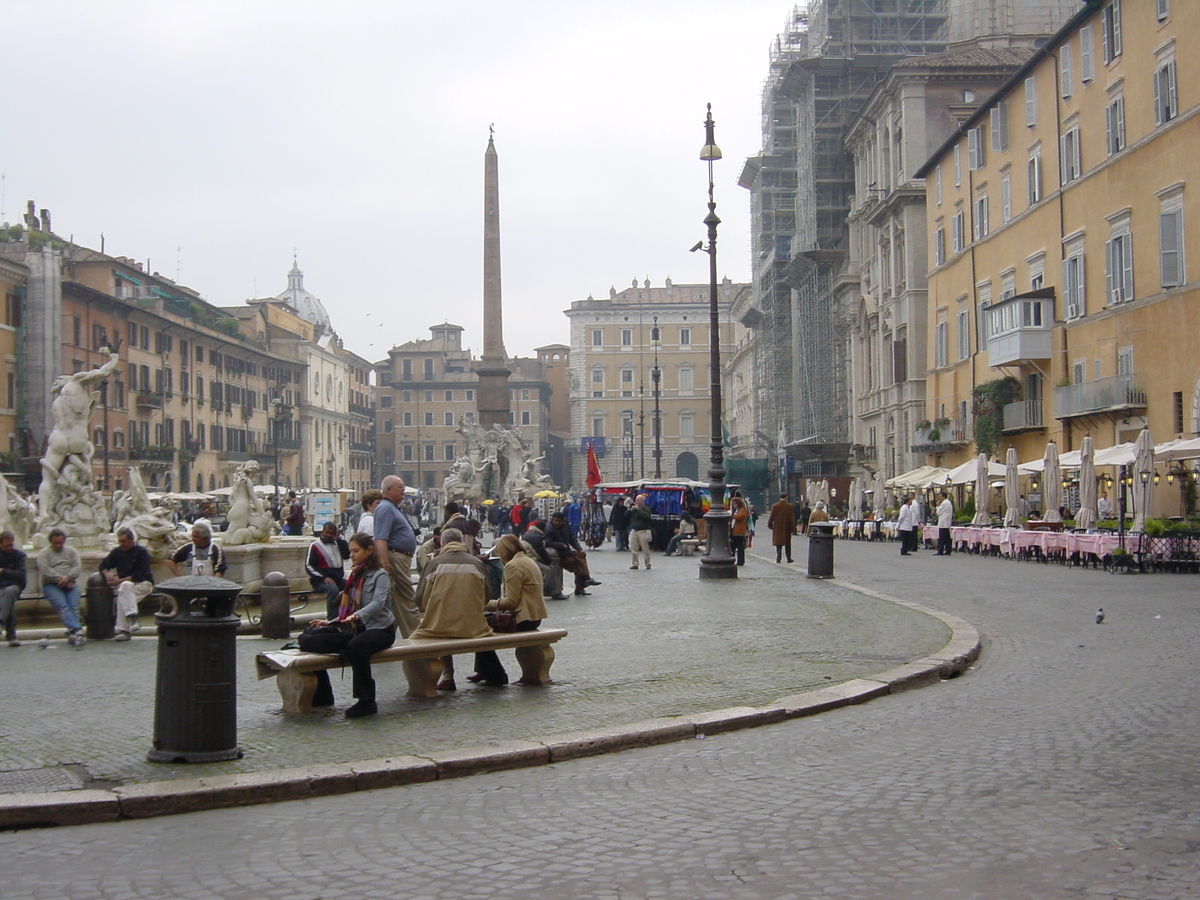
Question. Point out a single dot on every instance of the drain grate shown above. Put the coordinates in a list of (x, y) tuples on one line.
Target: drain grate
[(39, 780)]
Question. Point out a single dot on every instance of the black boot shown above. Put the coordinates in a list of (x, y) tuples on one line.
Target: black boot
[(324, 694), (362, 708)]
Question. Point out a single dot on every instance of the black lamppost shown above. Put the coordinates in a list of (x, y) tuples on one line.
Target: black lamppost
[(718, 560), (656, 380)]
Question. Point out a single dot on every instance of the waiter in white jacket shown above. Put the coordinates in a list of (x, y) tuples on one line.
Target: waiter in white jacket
[(945, 514), (907, 526)]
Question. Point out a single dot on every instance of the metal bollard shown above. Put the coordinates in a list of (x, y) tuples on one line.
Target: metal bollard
[(276, 603), (820, 550), (101, 608)]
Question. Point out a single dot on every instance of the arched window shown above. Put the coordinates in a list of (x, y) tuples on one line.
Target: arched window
[(687, 466)]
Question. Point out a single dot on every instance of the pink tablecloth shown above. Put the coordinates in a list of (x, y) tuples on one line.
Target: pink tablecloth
[(1010, 540)]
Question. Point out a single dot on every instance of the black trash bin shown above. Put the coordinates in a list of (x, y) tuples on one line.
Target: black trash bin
[(820, 550), (101, 607), (195, 695)]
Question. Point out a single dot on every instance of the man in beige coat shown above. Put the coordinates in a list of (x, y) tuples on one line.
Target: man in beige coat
[(453, 592)]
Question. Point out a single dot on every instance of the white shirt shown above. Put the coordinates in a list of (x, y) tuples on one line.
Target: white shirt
[(945, 513), (366, 524), (1104, 507), (908, 517)]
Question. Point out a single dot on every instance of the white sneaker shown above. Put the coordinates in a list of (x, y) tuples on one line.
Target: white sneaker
[(121, 636), (135, 623)]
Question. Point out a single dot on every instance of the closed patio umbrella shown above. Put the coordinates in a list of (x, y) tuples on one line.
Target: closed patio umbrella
[(1012, 491), (880, 496), (983, 494), (1086, 517), (856, 498), (1143, 480), (1052, 487)]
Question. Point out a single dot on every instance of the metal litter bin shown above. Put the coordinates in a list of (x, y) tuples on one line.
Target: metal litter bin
[(820, 550), (101, 607), (195, 695)]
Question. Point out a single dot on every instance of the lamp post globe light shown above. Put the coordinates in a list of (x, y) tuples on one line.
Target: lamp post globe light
[(718, 561)]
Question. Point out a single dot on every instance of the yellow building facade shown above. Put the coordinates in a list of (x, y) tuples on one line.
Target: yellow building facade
[(1065, 243)]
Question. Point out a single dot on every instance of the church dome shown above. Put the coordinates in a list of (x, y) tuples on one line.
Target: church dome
[(307, 305)]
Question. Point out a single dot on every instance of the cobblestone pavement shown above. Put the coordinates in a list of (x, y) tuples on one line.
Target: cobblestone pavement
[(1062, 766), (645, 644)]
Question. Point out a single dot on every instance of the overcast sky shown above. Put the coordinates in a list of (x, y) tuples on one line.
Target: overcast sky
[(214, 137)]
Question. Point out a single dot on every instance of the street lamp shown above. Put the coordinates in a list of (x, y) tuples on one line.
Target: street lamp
[(656, 379), (718, 560)]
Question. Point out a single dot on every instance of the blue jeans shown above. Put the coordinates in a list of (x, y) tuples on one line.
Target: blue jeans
[(65, 602)]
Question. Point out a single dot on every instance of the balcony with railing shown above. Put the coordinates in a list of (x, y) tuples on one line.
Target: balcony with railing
[(940, 435), (149, 400), (152, 454), (1023, 415), (357, 410), (1116, 394)]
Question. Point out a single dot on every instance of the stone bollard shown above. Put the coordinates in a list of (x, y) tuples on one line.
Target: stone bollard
[(276, 607), (100, 608)]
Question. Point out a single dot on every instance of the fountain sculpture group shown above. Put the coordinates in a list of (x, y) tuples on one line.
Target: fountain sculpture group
[(498, 463)]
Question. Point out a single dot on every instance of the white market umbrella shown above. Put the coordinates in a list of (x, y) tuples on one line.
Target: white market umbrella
[(1068, 460), (983, 494), (1012, 490), (1086, 517), (856, 498), (1182, 448), (1143, 480), (1052, 485), (880, 496), (1116, 455), (969, 472)]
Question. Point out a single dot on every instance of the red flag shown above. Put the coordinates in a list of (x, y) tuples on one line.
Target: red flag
[(593, 468)]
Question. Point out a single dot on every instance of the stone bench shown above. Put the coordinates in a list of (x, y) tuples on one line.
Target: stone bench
[(689, 547), (295, 670)]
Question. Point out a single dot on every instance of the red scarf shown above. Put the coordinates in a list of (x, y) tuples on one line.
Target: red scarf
[(352, 595)]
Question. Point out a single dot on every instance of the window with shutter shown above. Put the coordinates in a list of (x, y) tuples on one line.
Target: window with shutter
[(1170, 239), (1115, 124), (1110, 22), (1087, 68), (1031, 101), (999, 125), (1066, 71)]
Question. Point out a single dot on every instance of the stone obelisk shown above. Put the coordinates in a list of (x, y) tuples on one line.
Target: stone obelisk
[(493, 396)]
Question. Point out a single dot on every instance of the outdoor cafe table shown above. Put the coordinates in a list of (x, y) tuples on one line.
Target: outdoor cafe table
[(1013, 540)]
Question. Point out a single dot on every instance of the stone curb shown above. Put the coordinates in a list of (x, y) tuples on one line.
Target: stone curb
[(163, 798)]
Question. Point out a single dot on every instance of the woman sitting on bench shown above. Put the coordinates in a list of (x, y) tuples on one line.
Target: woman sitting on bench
[(364, 626)]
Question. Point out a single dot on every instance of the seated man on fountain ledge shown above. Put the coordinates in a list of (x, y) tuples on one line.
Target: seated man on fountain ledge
[(127, 571), (573, 557)]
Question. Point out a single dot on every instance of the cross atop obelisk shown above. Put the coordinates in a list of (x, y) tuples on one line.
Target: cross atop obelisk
[(493, 397)]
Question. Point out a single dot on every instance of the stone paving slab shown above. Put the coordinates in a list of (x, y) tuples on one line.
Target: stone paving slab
[(658, 645)]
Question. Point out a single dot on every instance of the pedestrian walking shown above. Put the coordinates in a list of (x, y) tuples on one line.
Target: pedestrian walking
[(782, 523), (620, 524), (641, 523), (739, 529), (804, 517)]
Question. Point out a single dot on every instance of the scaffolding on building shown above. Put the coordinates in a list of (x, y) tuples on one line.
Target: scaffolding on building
[(824, 65)]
